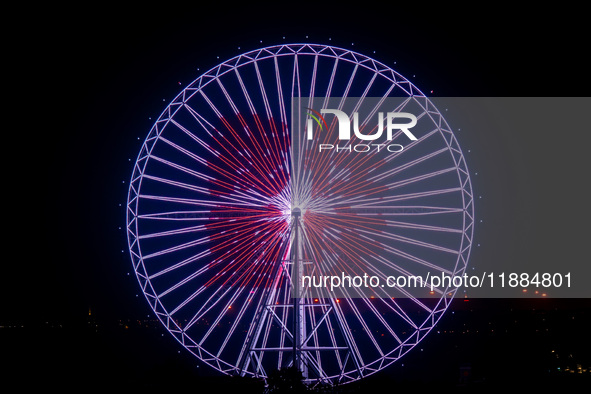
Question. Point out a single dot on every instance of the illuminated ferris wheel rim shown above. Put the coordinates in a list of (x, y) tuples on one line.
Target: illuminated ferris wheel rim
[(252, 57), (290, 50), (300, 49)]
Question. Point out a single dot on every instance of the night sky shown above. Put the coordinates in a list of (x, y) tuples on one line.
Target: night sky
[(83, 87)]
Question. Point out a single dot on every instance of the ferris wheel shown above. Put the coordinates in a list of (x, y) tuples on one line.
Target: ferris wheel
[(223, 215)]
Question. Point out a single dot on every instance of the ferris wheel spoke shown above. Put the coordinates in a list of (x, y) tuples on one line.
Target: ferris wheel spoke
[(418, 178), (362, 224), (259, 316), (415, 226), (373, 202), (408, 240), (225, 179), (222, 184), (185, 281), (393, 306), (180, 264), (354, 167), (395, 170), (191, 201), (184, 230), (182, 185), (273, 149), (409, 257), (295, 92), (224, 310), (364, 121), (365, 191), (244, 240), (378, 267), (331, 79), (238, 158), (237, 197), (177, 248), (235, 165), (353, 254), (214, 297), (396, 210), (190, 215), (333, 341), (232, 330), (385, 324), (367, 330), (369, 217), (237, 265), (408, 148), (203, 124), (256, 155), (349, 84), (199, 202), (346, 331)]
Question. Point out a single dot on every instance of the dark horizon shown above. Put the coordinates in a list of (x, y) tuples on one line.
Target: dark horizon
[(478, 344)]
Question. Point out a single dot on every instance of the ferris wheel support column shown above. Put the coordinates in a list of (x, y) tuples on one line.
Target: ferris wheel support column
[(299, 329)]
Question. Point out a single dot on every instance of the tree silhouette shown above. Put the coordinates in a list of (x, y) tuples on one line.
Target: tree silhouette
[(286, 380)]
